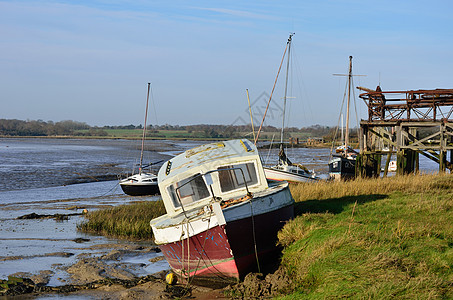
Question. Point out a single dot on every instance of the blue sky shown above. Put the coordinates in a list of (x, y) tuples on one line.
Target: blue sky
[(90, 61)]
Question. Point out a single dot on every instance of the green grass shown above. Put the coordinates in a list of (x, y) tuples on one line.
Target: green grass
[(125, 221), (363, 239), (378, 238)]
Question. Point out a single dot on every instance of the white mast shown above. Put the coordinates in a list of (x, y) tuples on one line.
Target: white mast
[(286, 87), (144, 132)]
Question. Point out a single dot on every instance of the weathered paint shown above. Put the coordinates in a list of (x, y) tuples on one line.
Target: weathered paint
[(223, 235), (228, 251)]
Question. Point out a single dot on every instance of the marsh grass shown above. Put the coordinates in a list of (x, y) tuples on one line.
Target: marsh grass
[(372, 238), (125, 221)]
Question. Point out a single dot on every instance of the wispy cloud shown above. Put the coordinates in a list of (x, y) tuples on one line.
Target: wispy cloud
[(237, 13)]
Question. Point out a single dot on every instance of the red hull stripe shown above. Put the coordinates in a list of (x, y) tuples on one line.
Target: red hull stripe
[(227, 251)]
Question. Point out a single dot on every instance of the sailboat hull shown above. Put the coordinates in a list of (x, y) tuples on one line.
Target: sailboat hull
[(140, 190), (140, 185), (341, 167), (281, 175)]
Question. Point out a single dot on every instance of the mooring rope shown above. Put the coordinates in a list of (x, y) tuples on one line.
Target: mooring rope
[(254, 237)]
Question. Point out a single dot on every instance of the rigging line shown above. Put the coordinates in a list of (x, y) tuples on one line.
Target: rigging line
[(355, 108), (270, 147), (339, 120), (154, 106), (297, 70), (251, 115), (290, 90), (144, 131), (188, 249), (112, 189), (272, 92)]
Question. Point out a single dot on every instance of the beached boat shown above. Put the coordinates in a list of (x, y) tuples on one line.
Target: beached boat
[(222, 214), (143, 183), (285, 169), (140, 184), (342, 163)]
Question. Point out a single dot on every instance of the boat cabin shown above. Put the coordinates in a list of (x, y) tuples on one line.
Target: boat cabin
[(218, 171)]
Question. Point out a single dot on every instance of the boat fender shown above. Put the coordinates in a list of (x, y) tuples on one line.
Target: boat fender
[(171, 278)]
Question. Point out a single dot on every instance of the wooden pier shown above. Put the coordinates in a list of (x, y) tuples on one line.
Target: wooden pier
[(406, 124)]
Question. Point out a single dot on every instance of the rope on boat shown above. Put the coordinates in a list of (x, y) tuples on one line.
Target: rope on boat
[(254, 237), (189, 281), (201, 251), (110, 191)]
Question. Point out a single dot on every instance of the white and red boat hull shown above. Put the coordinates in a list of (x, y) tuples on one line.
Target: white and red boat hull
[(229, 251)]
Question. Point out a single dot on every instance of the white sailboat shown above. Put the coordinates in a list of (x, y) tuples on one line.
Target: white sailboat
[(285, 169), (342, 163), (142, 183)]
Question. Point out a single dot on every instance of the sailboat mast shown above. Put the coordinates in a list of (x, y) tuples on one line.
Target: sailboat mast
[(286, 86), (144, 132), (346, 140)]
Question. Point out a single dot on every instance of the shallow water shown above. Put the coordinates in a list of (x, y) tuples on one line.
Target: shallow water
[(36, 177)]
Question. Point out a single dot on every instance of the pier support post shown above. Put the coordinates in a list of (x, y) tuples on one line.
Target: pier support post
[(368, 165), (442, 161), (406, 161)]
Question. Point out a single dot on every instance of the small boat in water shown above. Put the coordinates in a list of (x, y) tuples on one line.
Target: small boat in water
[(392, 166), (222, 214), (286, 170), (142, 183)]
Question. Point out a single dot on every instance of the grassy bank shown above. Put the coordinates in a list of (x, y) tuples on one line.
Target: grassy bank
[(380, 238), (368, 238), (124, 221)]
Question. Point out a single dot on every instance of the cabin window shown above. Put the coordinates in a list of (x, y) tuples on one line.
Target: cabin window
[(189, 190), (235, 178)]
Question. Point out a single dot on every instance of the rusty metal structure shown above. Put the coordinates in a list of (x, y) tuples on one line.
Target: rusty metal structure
[(420, 105), (406, 123)]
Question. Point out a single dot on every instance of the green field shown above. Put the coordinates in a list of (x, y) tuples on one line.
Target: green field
[(185, 134), (372, 239)]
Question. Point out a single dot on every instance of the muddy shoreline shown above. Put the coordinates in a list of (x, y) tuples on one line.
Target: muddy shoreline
[(46, 186), (105, 277)]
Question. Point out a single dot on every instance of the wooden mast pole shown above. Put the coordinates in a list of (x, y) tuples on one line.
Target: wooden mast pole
[(346, 140)]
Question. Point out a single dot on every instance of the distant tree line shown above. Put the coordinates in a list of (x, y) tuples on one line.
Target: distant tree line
[(73, 128), (39, 127)]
